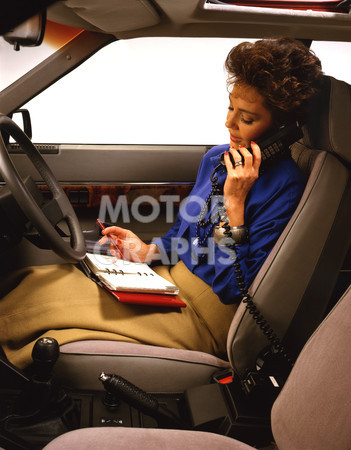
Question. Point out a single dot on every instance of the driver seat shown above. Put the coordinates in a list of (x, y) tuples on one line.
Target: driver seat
[(292, 290)]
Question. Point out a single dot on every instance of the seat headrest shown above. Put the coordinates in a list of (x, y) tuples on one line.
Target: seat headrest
[(328, 126)]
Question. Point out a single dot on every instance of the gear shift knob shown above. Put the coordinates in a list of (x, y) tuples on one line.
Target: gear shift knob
[(45, 354)]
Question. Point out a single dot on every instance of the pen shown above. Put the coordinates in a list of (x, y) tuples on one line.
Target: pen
[(102, 226)]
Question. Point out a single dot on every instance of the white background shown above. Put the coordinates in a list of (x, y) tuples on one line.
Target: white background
[(143, 91)]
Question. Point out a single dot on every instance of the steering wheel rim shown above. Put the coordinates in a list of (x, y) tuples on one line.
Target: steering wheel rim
[(73, 252)]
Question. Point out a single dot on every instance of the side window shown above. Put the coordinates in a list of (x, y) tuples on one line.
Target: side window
[(142, 91), (151, 91), (335, 58)]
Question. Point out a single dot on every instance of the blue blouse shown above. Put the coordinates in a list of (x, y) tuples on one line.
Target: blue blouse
[(269, 206)]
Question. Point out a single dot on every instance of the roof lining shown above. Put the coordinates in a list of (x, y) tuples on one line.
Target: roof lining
[(196, 18)]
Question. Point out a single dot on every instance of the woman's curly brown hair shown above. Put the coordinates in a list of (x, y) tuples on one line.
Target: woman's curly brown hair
[(284, 71)]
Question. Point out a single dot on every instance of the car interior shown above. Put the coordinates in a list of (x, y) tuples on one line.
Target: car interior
[(283, 382)]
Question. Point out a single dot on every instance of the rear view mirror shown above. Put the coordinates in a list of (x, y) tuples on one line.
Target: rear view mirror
[(29, 34)]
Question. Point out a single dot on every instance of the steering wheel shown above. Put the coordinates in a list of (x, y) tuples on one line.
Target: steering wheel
[(43, 218)]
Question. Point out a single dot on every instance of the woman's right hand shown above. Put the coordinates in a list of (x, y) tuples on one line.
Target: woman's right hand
[(239, 181), (129, 246)]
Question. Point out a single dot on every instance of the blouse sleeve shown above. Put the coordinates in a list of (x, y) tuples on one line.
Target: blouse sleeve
[(169, 243)]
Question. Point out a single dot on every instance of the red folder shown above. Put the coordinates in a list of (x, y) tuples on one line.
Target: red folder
[(139, 298)]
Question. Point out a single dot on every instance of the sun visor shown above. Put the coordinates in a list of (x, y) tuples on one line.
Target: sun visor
[(110, 16)]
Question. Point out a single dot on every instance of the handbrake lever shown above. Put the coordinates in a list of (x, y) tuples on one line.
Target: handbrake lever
[(140, 400)]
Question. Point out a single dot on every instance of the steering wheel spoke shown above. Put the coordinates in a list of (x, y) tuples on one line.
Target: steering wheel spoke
[(46, 217), (52, 211)]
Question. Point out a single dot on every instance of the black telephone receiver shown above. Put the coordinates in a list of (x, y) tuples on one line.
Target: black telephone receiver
[(272, 146)]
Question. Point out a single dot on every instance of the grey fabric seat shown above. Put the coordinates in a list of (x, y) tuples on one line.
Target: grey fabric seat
[(311, 412), (292, 289)]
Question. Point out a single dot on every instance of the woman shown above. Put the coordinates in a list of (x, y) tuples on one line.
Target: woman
[(271, 84)]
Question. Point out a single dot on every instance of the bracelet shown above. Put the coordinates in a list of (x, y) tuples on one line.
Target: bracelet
[(239, 235)]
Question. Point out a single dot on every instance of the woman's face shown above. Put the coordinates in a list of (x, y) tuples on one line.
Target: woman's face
[(247, 118)]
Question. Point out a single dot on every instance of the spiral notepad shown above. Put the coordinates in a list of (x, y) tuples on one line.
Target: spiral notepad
[(125, 276)]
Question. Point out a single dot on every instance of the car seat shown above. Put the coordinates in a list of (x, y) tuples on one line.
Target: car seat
[(292, 290), (311, 411)]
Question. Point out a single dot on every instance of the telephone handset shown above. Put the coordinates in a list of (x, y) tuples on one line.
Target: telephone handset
[(272, 146)]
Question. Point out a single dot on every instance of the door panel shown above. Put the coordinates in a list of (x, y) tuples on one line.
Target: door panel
[(138, 187), (117, 163)]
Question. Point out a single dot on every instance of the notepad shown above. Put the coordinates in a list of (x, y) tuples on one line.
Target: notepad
[(142, 298), (125, 276)]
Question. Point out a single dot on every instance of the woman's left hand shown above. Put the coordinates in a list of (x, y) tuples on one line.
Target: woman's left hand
[(240, 178)]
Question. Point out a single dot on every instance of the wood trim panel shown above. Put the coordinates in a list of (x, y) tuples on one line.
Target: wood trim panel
[(89, 196)]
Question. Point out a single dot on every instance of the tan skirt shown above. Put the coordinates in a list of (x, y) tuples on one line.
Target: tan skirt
[(61, 302)]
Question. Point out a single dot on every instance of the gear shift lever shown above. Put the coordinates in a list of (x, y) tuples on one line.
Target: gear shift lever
[(44, 409), (43, 389), (45, 354)]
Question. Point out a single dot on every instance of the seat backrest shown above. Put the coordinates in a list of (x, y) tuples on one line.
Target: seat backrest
[(294, 285), (312, 411)]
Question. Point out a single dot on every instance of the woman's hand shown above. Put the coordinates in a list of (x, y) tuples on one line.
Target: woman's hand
[(239, 181), (129, 246)]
